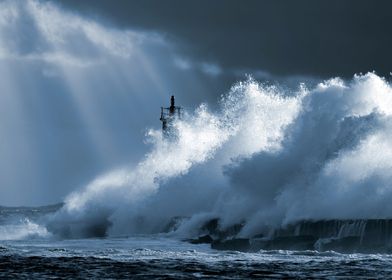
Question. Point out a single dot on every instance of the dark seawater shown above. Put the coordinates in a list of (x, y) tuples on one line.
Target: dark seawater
[(146, 257), (29, 251)]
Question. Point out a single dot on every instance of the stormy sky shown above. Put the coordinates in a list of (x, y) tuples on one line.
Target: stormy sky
[(304, 37), (82, 81)]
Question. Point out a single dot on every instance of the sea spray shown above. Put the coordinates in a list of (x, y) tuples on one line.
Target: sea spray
[(264, 159), (23, 229)]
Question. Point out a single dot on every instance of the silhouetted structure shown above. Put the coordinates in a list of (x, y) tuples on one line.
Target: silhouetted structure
[(168, 115)]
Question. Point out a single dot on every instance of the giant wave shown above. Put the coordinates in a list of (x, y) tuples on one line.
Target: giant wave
[(267, 158)]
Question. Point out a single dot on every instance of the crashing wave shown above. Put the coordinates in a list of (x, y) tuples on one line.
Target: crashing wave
[(266, 158)]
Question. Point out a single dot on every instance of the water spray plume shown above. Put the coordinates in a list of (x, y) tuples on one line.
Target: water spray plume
[(276, 157)]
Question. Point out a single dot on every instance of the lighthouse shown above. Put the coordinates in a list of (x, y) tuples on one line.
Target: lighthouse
[(168, 115)]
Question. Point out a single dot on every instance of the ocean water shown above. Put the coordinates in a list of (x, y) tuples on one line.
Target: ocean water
[(29, 251), (159, 257)]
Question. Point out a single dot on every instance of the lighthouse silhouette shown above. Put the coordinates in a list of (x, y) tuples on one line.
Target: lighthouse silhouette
[(168, 116)]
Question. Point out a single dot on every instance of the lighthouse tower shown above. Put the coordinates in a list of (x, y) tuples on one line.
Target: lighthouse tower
[(168, 115)]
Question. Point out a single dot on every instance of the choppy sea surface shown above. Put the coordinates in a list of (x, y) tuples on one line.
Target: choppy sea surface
[(29, 251), (147, 257)]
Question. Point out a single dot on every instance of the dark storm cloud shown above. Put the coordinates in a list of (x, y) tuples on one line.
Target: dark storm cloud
[(320, 38)]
